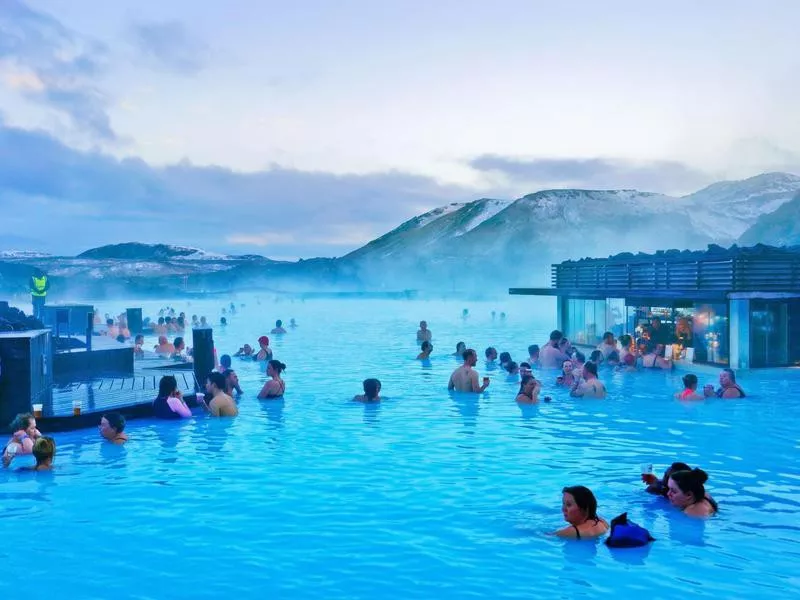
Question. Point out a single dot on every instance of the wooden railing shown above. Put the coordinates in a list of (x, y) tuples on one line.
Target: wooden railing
[(744, 273)]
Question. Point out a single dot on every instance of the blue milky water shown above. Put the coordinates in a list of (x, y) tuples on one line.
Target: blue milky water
[(424, 496)]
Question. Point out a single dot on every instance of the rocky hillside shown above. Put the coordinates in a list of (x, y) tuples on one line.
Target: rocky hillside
[(780, 228)]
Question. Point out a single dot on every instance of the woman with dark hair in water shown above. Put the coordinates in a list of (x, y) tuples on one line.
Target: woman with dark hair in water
[(528, 390), (689, 388), (579, 507), (426, 348), (461, 347), (372, 390), (275, 387), (685, 490), (170, 404)]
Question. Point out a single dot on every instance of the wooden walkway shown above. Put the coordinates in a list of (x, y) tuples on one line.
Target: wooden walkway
[(131, 394)]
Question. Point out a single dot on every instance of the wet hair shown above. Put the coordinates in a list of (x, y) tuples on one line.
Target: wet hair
[(139, 339), (731, 374), (120, 338), (216, 379), (110, 322), (613, 355), (44, 448), (225, 361), (511, 366), (469, 352), (115, 421), (569, 360), (223, 321), (526, 379), (161, 320), (524, 365), (180, 321), (584, 499), (277, 366), (689, 380), (533, 349), (556, 335), (21, 421), (691, 482), (167, 385), (372, 388), (459, 345), (178, 341), (426, 346), (489, 350), (227, 373), (278, 323), (607, 335), (625, 340), (596, 356), (591, 367), (580, 356)]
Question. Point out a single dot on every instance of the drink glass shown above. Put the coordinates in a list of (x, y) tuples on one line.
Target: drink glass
[(76, 408), (485, 381), (37, 411)]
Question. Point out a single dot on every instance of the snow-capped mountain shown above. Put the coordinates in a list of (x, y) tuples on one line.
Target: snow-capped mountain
[(725, 210), (21, 254), (778, 228), (138, 251), (555, 225)]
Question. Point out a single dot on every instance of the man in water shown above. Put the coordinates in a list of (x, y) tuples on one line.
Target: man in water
[(424, 334), (591, 386), (231, 382), (221, 404), (278, 329), (551, 356), (465, 378), (491, 354), (39, 285)]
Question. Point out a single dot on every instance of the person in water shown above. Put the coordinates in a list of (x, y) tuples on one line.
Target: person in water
[(528, 390), (591, 387), (686, 490), (728, 388), (231, 382), (44, 450), (265, 353), (246, 350), (465, 378), (274, 387), (138, 350), (567, 377), (221, 404), (278, 329), (533, 355), (660, 488), (491, 354), (426, 348), (112, 427), (424, 334), (689, 388), (169, 404), (372, 391), (292, 323), (23, 439), (579, 507), (461, 347)]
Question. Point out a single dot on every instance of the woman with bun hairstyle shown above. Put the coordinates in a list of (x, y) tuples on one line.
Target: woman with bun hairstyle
[(275, 387), (689, 388), (685, 490)]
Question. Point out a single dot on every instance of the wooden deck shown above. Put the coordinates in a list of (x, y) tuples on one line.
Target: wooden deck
[(131, 394)]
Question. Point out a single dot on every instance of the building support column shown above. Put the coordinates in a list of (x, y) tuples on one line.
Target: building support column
[(561, 313), (739, 321)]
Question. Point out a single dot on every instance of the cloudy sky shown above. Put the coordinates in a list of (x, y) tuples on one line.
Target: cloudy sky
[(308, 128)]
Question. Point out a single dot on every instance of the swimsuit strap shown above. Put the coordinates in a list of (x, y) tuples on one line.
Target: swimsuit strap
[(577, 532)]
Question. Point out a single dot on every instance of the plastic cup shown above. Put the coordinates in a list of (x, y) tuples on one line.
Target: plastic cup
[(37, 411), (76, 408), (485, 380), (646, 468)]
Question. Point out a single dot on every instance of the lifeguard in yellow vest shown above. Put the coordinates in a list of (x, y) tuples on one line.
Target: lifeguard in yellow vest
[(39, 285)]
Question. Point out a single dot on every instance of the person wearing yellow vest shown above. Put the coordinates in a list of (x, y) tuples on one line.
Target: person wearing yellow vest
[(39, 285)]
